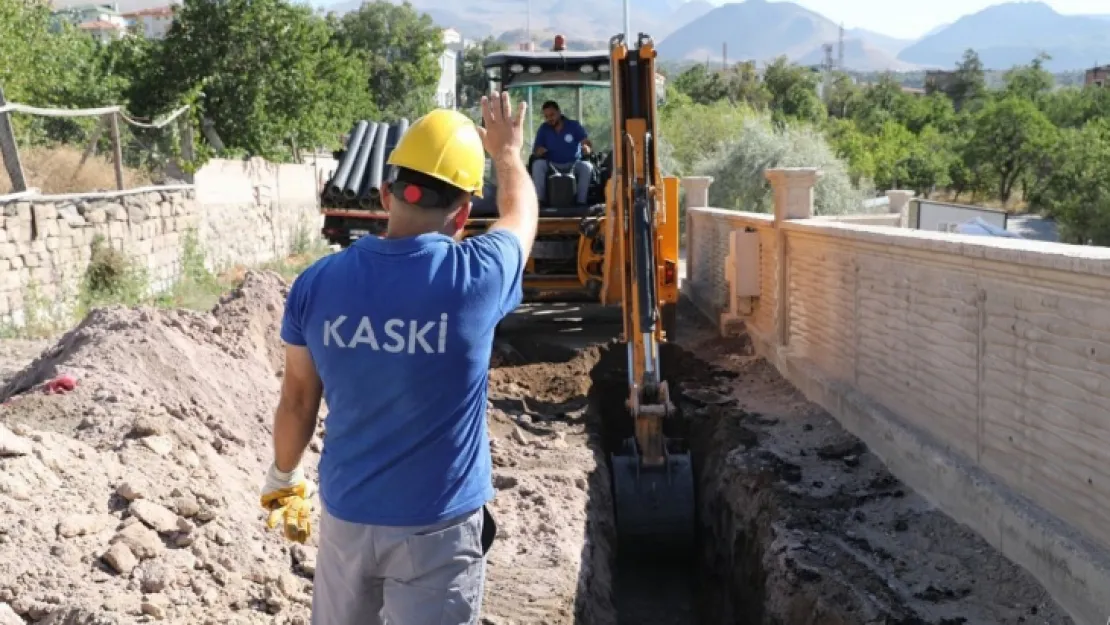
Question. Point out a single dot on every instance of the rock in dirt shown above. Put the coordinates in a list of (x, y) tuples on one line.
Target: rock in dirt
[(156, 606), (157, 517), (141, 540), (129, 491), (12, 444), (120, 557), (8, 615), (81, 524)]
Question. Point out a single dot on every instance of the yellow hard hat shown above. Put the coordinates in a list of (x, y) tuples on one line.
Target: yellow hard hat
[(445, 145)]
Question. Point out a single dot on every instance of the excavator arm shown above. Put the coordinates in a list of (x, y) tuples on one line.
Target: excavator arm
[(653, 482)]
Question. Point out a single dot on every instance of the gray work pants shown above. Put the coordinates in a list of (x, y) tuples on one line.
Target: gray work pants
[(583, 170), (378, 575)]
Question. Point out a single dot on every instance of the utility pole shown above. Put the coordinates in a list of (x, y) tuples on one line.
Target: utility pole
[(627, 25), (840, 51), (724, 56)]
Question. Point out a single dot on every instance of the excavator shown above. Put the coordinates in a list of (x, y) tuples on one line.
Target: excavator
[(621, 249)]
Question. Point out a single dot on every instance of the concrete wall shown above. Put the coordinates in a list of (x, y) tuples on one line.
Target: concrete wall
[(940, 216), (242, 212), (977, 368), (250, 211)]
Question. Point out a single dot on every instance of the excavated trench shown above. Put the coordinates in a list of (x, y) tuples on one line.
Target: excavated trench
[(799, 524)]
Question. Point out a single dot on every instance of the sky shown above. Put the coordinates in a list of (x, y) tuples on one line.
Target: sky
[(911, 19)]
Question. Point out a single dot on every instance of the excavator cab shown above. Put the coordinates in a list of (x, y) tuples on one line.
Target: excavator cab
[(565, 261)]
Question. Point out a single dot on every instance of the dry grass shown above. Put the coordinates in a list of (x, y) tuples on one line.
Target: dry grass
[(1017, 204), (55, 170)]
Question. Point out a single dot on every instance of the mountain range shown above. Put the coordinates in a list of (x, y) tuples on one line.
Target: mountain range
[(1004, 35)]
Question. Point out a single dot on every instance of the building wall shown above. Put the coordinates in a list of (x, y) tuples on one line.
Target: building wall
[(241, 212), (978, 368), (448, 79)]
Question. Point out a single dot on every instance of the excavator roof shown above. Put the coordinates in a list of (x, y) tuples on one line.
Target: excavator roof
[(520, 69)]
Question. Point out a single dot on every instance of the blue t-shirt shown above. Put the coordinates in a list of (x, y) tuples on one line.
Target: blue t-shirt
[(401, 332), (563, 146)]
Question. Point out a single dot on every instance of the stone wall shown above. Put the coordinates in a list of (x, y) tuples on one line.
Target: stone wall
[(976, 367), (46, 243), (238, 212)]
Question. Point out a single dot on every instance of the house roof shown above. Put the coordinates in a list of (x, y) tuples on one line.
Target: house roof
[(166, 11), (98, 25)]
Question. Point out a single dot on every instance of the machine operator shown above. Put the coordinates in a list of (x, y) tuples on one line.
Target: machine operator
[(561, 142)]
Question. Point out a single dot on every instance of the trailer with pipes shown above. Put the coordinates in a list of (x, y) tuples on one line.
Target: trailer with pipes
[(351, 199)]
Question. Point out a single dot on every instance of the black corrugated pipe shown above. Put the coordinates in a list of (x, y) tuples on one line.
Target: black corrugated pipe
[(339, 181), (377, 163), (396, 131), (358, 172)]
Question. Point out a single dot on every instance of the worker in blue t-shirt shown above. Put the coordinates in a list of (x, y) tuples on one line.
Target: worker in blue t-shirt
[(561, 141), (396, 334)]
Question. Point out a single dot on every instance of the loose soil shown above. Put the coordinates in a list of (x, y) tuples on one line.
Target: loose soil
[(133, 497)]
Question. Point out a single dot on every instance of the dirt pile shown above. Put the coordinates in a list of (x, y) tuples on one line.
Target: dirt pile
[(134, 496)]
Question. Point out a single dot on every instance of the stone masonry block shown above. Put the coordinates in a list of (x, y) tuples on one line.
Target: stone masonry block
[(44, 212)]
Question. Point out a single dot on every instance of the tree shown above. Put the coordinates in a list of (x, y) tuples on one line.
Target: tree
[(853, 146), (473, 83), (1077, 192), (793, 92), (701, 85), (49, 65), (879, 103), (1011, 135), (743, 86), (269, 72), (969, 82), (1029, 81), (401, 49), (842, 96)]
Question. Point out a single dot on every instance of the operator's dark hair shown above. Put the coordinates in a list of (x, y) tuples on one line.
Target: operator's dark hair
[(449, 195), (551, 104)]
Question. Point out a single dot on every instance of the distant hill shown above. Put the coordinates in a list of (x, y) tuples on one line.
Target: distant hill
[(758, 30), (584, 20), (1014, 33), (890, 45), (859, 56)]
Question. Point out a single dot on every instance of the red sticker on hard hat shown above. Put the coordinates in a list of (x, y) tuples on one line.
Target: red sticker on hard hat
[(412, 194)]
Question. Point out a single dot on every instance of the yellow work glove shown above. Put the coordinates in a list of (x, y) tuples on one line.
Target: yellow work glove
[(286, 496)]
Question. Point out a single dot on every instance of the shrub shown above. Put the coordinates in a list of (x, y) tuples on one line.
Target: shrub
[(738, 168)]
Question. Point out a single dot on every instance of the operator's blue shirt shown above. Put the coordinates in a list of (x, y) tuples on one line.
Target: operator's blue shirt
[(401, 332), (563, 146)]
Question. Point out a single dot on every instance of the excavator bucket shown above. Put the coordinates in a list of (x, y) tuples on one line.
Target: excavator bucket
[(654, 505)]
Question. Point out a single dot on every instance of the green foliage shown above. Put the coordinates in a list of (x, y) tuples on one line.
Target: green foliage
[(266, 74), (695, 130), (111, 278), (738, 167), (400, 49), (1076, 191), (473, 83), (1011, 136), (269, 72)]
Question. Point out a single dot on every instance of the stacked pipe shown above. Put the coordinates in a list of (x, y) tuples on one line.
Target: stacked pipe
[(362, 167)]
